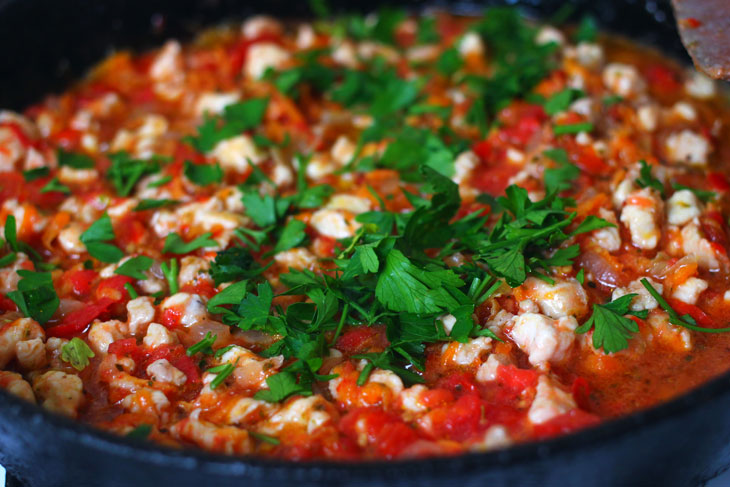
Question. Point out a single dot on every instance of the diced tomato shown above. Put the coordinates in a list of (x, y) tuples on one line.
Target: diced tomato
[(175, 354), (171, 317), (516, 380), (357, 339), (581, 390), (702, 318), (127, 347), (662, 79), (7, 304), (203, 287), (460, 420), (691, 22), (77, 321), (718, 181), (239, 52), (458, 383), (81, 281), (385, 433), (584, 156), (433, 398), (565, 423), (113, 288), (67, 138), (15, 187)]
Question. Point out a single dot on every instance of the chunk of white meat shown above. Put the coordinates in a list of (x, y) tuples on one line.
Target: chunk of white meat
[(640, 215), (158, 335), (260, 24), (251, 370), (494, 438), (11, 149), (549, 34), (687, 147), (623, 79), (448, 322), (589, 55), (689, 291), (348, 202), (648, 117), (307, 413), (140, 313), (345, 54), (469, 352), (31, 354), (693, 243), (682, 207), (471, 44), (675, 337), (411, 399), (333, 223), (643, 299), (298, 258), (622, 191), (163, 371), (222, 439), (262, 56), (564, 298), (193, 268), (544, 339), (684, 111), (104, 333), (59, 392), (464, 164), (487, 372), (388, 379), (342, 150), (9, 276), (607, 238), (11, 334), (699, 86), (70, 239), (192, 307), (69, 175), (168, 61), (550, 401), (250, 410), (144, 141), (305, 36), (215, 103), (16, 385), (234, 153)]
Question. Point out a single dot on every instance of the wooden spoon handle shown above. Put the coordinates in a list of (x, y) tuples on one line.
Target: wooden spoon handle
[(704, 26)]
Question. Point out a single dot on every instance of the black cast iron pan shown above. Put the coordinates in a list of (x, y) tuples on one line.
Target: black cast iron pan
[(45, 44)]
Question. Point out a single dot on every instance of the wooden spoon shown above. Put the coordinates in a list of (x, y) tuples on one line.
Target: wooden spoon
[(704, 26)]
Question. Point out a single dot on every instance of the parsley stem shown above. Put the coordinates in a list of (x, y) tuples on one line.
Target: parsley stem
[(130, 289), (365, 374), (341, 324), (170, 271), (674, 317)]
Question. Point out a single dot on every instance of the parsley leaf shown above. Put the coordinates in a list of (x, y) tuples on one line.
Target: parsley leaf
[(35, 295), (449, 62), (561, 100), (203, 174), (151, 204), (236, 119), (174, 244), (646, 180), (37, 173), (281, 386), (96, 239), (572, 128), (611, 329), (135, 267), (74, 160), (233, 264), (559, 179), (125, 171), (587, 30), (77, 353), (292, 235), (55, 185)]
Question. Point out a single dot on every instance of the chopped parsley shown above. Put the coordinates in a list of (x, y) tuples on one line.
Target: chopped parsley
[(203, 174), (55, 185), (174, 244), (77, 353), (204, 346), (37, 173), (126, 171), (97, 237), (74, 160), (35, 295), (152, 204), (135, 267), (612, 330), (572, 128), (236, 119), (647, 180), (561, 100), (170, 271)]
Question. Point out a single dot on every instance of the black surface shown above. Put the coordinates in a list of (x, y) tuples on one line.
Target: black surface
[(45, 44)]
